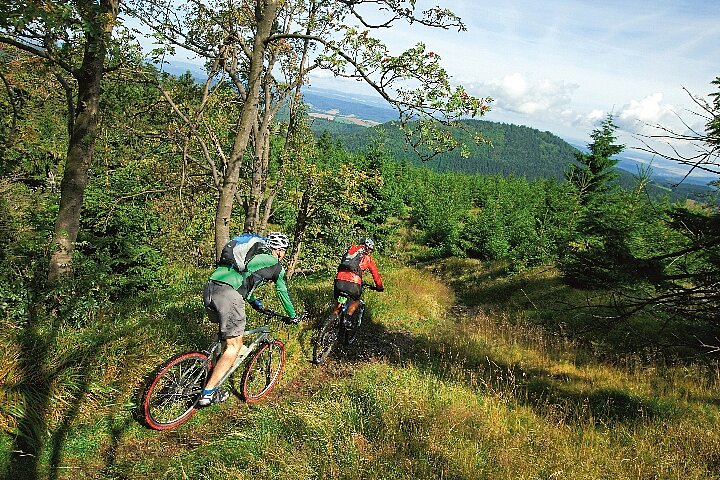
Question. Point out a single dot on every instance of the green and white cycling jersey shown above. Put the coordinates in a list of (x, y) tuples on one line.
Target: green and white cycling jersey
[(261, 269)]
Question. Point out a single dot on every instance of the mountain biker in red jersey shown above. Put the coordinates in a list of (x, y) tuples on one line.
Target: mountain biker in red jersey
[(348, 280)]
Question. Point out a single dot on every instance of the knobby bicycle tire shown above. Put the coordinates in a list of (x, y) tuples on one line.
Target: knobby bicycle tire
[(263, 371), (174, 388), (326, 338)]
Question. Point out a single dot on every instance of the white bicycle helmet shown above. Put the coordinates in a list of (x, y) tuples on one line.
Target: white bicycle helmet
[(277, 241)]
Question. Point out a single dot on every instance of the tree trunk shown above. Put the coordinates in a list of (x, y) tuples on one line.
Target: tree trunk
[(82, 142), (267, 212), (300, 226), (265, 17), (258, 184)]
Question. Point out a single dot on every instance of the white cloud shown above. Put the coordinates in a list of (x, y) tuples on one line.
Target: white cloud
[(588, 121), (649, 111), (595, 116), (513, 86), (523, 94), (320, 73)]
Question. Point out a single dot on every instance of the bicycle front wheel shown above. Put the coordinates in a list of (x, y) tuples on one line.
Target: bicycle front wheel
[(325, 340), (169, 400), (263, 371)]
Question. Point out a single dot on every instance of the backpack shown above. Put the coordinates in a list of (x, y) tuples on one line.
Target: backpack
[(241, 249), (351, 262)]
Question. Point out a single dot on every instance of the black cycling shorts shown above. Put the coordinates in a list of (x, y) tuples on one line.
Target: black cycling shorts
[(350, 289)]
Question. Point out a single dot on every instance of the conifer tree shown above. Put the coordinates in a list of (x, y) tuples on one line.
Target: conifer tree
[(598, 241), (595, 174)]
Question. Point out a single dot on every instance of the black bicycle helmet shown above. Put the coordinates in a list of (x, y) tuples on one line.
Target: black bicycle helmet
[(368, 243)]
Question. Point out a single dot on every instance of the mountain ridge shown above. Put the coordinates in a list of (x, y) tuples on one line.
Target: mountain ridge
[(348, 114), (367, 111)]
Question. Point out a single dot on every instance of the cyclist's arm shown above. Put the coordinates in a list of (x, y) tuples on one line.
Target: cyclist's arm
[(281, 287), (370, 265)]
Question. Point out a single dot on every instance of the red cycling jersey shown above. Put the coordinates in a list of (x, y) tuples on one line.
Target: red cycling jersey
[(367, 263)]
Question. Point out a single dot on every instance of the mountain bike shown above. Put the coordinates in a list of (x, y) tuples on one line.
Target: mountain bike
[(341, 327), (170, 397)]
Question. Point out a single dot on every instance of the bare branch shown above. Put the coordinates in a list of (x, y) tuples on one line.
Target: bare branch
[(39, 52), (706, 156)]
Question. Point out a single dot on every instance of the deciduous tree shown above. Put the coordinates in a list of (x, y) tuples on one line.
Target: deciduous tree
[(247, 37), (74, 38)]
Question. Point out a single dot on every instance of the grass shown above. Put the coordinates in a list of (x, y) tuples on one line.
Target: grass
[(454, 377)]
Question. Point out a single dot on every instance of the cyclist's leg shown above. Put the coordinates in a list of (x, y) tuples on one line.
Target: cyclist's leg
[(352, 307), (350, 290), (354, 291), (233, 346), (229, 308), (349, 330)]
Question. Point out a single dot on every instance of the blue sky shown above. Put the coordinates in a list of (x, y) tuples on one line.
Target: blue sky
[(563, 65)]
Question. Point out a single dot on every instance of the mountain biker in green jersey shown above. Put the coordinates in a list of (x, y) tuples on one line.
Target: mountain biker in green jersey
[(224, 298)]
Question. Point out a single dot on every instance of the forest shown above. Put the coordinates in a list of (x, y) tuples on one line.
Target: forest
[(533, 326), (508, 150)]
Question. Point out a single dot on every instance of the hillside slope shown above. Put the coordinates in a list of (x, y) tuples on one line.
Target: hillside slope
[(511, 150), (448, 380)]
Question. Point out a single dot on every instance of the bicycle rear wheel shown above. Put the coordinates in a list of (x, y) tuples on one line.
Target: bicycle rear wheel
[(263, 371), (326, 338), (350, 333), (169, 400)]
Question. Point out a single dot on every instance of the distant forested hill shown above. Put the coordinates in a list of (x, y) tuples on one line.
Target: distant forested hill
[(512, 150)]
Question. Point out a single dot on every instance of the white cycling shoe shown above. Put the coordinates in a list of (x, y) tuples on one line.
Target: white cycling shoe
[(218, 396)]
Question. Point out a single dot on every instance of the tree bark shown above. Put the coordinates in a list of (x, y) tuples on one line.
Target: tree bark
[(300, 226), (83, 134), (265, 15), (258, 183)]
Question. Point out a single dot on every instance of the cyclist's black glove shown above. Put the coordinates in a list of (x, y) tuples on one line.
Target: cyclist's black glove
[(257, 305), (296, 319)]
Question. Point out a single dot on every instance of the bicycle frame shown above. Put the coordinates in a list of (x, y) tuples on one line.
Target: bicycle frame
[(216, 348), (346, 304)]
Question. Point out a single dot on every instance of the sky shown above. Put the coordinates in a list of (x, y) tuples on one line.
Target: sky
[(563, 65)]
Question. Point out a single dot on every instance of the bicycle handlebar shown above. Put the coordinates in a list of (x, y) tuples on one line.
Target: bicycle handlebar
[(270, 313), (370, 286)]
